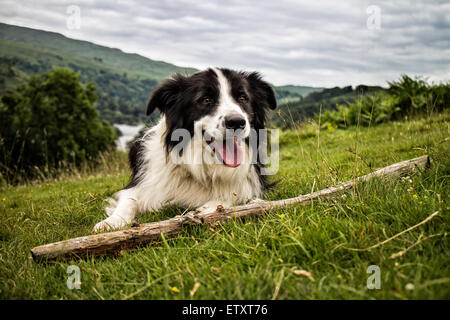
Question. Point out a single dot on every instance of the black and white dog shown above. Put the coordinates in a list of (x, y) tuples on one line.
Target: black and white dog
[(210, 113)]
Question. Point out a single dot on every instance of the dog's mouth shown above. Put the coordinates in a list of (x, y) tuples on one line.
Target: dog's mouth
[(228, 151)]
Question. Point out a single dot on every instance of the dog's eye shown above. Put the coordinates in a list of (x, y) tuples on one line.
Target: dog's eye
[(243, 98), (206, 100)]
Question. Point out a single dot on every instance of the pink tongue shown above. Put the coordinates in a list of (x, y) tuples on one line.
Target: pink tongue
[(230, 152)]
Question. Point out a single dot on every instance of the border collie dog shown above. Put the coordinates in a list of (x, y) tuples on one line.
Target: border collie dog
[(198, 154)]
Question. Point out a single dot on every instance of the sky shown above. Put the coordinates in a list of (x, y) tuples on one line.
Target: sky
[(316, 43)]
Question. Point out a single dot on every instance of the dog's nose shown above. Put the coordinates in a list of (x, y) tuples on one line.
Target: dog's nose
[(234, 121)]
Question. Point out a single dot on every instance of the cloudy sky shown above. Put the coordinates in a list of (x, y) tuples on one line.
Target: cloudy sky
[(318, 43)]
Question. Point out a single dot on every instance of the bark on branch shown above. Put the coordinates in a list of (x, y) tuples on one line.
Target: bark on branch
[(112, 243)]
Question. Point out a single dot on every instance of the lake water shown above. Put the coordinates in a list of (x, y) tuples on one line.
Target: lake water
[(128, 134)]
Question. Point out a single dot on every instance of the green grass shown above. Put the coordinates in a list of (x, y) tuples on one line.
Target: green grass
[(256, 259)]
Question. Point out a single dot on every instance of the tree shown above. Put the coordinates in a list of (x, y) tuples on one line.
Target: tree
[(50, 121)]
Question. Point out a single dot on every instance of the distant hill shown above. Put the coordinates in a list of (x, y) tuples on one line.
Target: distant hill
[(316, 101), (300, 90), (290, 93), (124, 80), (157, 70)]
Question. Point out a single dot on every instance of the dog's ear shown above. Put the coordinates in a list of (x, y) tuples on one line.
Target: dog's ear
[(165, 95), (264, 94)]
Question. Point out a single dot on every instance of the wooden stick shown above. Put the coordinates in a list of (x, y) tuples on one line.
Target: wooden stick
[(112, 243)]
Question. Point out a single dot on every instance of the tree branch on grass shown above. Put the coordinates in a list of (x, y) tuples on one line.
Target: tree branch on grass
[(112, 243)]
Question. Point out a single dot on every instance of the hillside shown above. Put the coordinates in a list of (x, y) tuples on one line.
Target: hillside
[(124, 80), (122, 93), (316, 101), (156, 70)]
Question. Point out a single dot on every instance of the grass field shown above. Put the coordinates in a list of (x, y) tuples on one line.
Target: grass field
[(257, 259)]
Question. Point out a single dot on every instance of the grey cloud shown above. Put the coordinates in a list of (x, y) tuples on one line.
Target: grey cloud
[(322, 43)]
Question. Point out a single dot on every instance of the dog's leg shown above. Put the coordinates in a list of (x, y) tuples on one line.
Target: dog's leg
[(120, 212)]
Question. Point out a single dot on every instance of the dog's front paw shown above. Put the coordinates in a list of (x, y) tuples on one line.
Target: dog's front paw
[(205, 209), (111, 223)]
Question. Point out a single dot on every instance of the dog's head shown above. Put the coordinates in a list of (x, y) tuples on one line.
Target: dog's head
[(220, 104)]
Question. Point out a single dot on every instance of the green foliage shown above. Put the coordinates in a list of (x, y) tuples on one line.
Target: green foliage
[(50, 121), (294, 111), (372, 109), (404, 98), (416, 96)]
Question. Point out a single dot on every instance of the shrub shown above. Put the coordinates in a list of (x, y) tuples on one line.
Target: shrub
[(405, 97), (50, 121)]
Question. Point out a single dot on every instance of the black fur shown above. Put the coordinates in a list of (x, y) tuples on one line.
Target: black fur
[(261, 98), (135, 159), (181, 98)]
